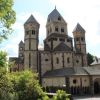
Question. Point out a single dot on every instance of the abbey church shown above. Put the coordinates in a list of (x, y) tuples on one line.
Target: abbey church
[(63, 61)]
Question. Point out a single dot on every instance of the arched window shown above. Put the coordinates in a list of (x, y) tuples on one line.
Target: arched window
[(74, 81), (56, 29), (33, 32), (68, 60), (46, 59), (77, 61), (82, 39), (68, 40), (59, 18), (77, 39), (62, 29)]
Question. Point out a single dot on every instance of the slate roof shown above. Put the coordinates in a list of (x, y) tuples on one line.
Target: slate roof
[(80, 71), (78, 28), (59, 72), (31, 19), (62, 47), (73, 71), (93, 70), (21, 43), (69, 71), (53, 16), (58, 35), (15, 59)]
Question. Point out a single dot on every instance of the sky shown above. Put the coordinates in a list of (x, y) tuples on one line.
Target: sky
[(85, 12)]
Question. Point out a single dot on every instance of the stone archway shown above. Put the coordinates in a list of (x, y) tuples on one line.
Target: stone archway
[(97, 86)]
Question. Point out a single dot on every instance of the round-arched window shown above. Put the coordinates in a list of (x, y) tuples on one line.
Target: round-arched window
[(74, 81)]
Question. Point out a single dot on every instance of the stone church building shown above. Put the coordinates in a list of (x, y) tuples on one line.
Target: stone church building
[(63, 62)]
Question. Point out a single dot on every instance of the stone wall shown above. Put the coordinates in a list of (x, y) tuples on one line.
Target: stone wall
[(55, 81), (77, 58), (45, 62), (74, 81)]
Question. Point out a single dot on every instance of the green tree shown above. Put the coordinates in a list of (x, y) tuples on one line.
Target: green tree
[(90, 58), (5, 86), (7, 18), (26, 86), (3, 59)]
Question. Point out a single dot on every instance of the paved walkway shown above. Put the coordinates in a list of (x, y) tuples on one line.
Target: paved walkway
[(87, 98)]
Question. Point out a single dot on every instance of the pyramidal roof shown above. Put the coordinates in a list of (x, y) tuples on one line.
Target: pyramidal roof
[(54, 15), (21, 42), (31, 19), (79, 28)]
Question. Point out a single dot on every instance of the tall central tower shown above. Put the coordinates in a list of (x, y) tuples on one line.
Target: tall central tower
[(31, 28)]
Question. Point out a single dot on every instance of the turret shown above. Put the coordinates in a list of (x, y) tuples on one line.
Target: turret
[(79, 38), (21, 50), (79, 42)]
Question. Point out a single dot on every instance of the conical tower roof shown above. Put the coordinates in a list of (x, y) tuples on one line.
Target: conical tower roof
[(54, 15), (21, 43), (31, 19), (79, 28)]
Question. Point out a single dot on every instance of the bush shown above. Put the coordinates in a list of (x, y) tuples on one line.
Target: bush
[(20, 86), (26, 86), (61, 95), (5, 86)]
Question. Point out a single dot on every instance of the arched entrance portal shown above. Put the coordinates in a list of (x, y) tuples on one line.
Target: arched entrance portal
[(97, 86)]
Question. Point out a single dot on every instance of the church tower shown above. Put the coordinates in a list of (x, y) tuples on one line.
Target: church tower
[(56, 23), (31, 40), (56, 31), (79, 42)]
